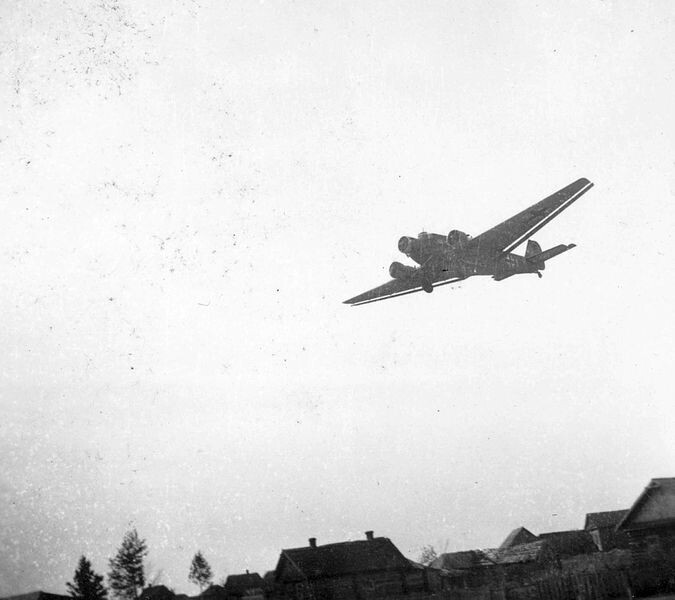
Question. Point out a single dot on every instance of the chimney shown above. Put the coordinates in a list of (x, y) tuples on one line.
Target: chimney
[(312, 542), (369, 536)]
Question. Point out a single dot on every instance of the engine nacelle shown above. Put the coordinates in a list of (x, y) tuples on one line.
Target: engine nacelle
[(408, 245), (456, 237), (399, 271)]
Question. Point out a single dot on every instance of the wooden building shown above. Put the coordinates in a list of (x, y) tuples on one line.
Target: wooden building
[(565, 544), (518, 536), (246, 585), (602, 528), (39, 595), (214, 592), (357, 570), (157, 592), (650, 523), (496, 568)]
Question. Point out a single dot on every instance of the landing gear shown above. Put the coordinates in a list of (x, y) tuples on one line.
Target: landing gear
[(427, 287), (539, 274)]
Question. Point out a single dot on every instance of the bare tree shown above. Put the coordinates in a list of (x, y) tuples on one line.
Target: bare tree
[(428, 555)]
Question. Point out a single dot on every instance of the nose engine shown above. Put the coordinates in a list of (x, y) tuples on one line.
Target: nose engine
[(408, 245), (399, 271)]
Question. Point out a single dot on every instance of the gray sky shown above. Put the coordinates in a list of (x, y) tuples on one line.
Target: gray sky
[(191, 189)]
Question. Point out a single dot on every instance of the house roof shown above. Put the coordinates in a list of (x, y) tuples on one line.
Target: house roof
[(214, 591), (471, 559), (376, 554), (521, 553), (38, 595), (157, 592), (640, 515), (608, 518), (238, 585), (569, 543), (457, 561), (520, 535)]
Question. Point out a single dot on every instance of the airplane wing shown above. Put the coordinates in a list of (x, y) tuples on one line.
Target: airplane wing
[(392, 289), (510, 234)]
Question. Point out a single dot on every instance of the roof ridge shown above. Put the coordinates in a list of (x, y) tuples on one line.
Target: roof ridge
[(343, 543)]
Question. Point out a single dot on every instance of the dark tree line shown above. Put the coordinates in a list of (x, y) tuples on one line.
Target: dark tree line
[(126, 577)]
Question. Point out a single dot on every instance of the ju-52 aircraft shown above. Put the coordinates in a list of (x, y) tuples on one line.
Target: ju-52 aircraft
[(457, 256)]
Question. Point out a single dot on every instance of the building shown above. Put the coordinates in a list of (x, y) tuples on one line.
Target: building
[(246, 585), (214, 592), (565, 544), (39, 595), (157, 592), (356, 570), (496, 568), (650, 522), (602, 528), (650, 527), (518, 536)]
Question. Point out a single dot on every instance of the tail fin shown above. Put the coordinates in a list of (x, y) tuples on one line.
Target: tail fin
[(532, 249), (542, 257)]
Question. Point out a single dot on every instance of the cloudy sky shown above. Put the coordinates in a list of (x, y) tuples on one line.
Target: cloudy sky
[(190, 189)]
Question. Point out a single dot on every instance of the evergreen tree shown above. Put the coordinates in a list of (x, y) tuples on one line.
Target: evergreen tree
[(87, 585), (127, 574), (200, 571)]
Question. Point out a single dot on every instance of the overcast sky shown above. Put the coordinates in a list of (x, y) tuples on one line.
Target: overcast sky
[(189, 191)]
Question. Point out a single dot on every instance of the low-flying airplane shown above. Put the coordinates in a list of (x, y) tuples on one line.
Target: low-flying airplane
[(457, 256)]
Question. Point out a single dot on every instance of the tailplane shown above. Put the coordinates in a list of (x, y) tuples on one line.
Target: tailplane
[(539, 258)]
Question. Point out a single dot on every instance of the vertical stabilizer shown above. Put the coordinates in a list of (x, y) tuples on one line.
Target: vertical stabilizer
[(532, 249)]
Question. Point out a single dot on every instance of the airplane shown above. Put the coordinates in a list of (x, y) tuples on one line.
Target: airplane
[(448, 259)]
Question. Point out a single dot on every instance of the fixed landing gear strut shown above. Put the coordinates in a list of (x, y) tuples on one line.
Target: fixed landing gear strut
[(427, 287), (539, 274)]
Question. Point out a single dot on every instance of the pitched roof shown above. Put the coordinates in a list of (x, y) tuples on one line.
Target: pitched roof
[(520, 535), (663, 486), (376, 554), (521, 553), (39, 595), (214, 591), (569, 543), (471, 559), (238, 585), (608, 518), (157, 592)]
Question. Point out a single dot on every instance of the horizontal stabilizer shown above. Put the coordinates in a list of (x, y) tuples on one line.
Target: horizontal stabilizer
[(550, 253)]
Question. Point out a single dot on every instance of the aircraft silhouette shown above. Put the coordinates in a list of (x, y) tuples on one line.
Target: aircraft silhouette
[(457, 256)]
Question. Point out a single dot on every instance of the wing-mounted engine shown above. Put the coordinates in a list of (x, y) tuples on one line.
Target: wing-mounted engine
[(399, 271), (409, 245), (458, 238)]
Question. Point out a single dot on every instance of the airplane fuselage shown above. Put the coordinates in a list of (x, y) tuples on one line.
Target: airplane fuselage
[(440, 260)]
